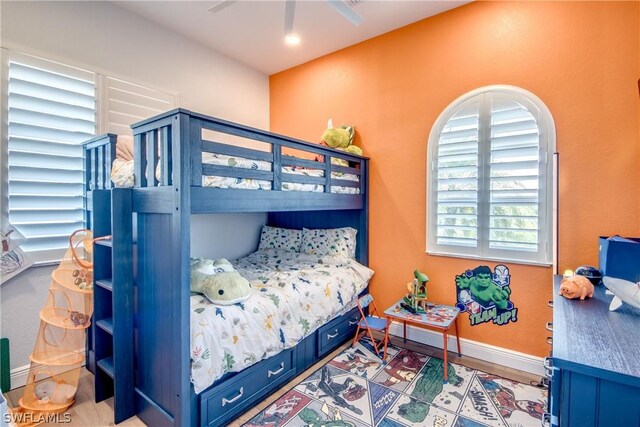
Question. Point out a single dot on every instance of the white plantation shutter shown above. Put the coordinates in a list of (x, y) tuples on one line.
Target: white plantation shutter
[(456, 189), (51, 108), (127, 103), (515, 173), (489, 177), (50, 111)]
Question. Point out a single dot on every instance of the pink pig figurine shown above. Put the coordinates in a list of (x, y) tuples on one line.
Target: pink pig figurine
[(576, 286)]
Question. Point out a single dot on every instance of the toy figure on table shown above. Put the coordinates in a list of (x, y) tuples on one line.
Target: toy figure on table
[(416, 300)]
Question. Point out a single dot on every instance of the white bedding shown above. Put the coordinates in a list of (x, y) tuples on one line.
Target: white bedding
[(122, 175), (293, 294)]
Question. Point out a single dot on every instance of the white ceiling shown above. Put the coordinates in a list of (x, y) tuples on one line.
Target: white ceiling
[(252, 32)]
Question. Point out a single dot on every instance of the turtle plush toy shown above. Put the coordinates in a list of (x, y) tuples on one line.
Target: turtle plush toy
[(218, 281)]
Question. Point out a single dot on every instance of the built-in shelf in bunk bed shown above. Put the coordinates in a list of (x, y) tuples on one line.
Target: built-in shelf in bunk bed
[(172, 182)]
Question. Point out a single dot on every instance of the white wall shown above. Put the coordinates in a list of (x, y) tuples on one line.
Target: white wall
[(106, 38), (237, 231), (21, 300), (101, 37)]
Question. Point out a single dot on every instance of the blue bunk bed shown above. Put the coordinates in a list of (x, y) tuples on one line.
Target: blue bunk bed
[(139, 348)]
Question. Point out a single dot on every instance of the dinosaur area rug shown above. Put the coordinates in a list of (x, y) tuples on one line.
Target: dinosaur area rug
[(357, 389)]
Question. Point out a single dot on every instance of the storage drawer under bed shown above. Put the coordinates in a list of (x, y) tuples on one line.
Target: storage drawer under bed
[(337, 331), (236, 395)]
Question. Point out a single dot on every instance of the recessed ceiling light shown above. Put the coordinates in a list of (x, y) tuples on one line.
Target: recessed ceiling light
[(292, 39)]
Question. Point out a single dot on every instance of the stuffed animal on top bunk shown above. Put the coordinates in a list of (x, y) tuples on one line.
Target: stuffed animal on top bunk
[(340, 138), (218, 281), (122, 168)]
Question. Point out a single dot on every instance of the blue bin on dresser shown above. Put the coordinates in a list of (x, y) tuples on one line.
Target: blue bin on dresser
[(620, 257)]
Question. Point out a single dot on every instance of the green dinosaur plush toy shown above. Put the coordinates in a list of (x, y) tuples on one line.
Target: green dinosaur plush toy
[(218, 281), (337, 137), (340, 138)]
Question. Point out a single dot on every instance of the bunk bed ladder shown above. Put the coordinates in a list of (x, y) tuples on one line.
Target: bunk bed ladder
[(113, 339)]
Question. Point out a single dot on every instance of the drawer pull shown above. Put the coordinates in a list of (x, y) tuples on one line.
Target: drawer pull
[(548, 368), (276, 372), (550, 340), (330, 336), (353, 321), (549, 326), (550, 304), (545, 420), (225, 401)]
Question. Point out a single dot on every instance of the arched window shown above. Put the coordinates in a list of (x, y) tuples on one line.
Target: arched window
[(489, 171)]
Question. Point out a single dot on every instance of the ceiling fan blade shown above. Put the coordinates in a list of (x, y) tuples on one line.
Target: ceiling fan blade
[(289, 12), (343, 9), (221, 5)]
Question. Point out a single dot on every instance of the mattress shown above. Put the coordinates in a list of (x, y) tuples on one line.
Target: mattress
[(292, 295), (122, 175)]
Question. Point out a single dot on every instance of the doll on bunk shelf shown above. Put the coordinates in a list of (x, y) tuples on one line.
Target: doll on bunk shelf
[(417, 296)]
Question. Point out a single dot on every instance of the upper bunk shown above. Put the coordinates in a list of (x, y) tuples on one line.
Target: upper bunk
[(218, 161)]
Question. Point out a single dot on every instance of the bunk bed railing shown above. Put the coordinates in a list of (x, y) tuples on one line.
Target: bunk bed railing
[(99, 154), (155, 155)]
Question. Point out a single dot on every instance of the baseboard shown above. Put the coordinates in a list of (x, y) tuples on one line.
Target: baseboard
[(488, 353), (19, 376)]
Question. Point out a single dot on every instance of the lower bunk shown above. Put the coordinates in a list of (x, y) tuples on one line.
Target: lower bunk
[(302, 307)]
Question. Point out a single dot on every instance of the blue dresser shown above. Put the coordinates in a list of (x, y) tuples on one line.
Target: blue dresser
[(595, 364)]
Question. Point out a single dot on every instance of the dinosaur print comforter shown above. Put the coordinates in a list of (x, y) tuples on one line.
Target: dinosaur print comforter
[(292, 295)]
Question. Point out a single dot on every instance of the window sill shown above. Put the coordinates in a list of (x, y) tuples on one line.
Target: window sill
[(503, 260)]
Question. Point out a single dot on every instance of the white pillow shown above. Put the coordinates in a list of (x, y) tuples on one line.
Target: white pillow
[(329, 241), (280, 238), (122, 173)]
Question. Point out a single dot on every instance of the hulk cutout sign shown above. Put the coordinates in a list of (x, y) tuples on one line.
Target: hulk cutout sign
[(485, 295)]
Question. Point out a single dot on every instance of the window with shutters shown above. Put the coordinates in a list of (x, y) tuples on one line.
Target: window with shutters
[(489, 171), (51, 110)]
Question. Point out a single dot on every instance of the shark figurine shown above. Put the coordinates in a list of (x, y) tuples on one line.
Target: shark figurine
[(623, 291)]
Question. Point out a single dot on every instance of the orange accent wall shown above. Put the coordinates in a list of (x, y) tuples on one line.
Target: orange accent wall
[(580, 58)]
